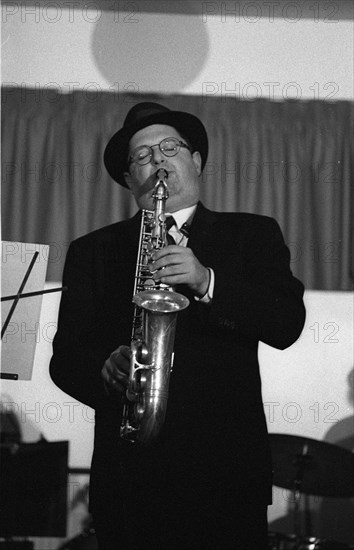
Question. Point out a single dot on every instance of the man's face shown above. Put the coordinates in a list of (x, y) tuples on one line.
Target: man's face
[(183, 170)]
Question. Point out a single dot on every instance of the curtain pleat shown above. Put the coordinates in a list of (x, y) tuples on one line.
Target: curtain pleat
[(290, 160)]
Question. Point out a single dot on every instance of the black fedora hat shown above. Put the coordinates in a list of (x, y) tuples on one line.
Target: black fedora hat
[(145, 114)]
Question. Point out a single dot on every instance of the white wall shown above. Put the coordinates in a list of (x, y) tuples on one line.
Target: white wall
[(277, 50), (308, 392)]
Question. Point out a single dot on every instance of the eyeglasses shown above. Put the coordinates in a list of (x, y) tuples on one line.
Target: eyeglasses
[(170, 147)]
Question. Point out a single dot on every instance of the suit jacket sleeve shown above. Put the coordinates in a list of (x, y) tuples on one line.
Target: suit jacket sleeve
[(81, 344), (255, 293)]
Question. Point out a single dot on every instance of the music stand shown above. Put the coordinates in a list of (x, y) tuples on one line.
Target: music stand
[(23, 270)]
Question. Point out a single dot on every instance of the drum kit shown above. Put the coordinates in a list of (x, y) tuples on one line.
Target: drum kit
[(310, 467)]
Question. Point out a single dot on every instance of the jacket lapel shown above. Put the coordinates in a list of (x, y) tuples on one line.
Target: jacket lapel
[(202, 234)]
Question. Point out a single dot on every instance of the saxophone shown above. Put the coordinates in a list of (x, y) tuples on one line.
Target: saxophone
[(156, 306)]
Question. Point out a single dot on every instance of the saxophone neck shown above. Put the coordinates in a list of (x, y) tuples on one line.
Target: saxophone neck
[(160, 192), (160, 196)]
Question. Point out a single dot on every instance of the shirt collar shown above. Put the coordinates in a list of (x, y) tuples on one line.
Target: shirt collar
[(184, 215)]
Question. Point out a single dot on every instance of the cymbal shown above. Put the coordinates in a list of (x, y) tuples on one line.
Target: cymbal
[(311, 466)]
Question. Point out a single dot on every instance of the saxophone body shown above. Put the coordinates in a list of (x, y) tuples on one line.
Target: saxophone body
[(156, 307)]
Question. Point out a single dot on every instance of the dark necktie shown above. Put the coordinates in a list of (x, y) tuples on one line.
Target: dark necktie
[(170, 222)]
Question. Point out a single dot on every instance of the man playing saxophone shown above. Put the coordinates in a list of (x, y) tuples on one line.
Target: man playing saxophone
[(205, 482)]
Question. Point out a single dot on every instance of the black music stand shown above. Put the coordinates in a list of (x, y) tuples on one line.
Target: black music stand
[(23, 270), (33, 490)]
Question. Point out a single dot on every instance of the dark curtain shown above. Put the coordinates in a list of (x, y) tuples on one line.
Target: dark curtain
[(290, 160)]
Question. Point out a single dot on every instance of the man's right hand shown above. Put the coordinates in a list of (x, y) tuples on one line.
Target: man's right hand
[(115, 372)]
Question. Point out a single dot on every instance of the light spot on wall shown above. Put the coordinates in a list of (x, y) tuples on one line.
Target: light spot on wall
[(149, 52)]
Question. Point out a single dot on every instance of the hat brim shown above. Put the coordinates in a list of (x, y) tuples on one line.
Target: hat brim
[(116, 151)]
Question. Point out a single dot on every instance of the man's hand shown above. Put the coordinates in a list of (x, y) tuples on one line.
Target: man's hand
[(115, 372), (180, 266)]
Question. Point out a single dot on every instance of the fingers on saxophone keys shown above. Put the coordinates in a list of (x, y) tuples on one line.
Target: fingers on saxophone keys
[(114, 378), (118, 379), (158, 273), (157, 265), (116, 384), (110, 383)]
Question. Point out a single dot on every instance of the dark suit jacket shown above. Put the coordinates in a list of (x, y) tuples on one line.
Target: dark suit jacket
[(215, 431)]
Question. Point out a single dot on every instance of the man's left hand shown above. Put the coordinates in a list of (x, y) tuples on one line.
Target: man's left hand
[(180, 266)]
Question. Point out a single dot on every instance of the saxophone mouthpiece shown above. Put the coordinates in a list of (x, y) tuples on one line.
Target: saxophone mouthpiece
[(162, 174)]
